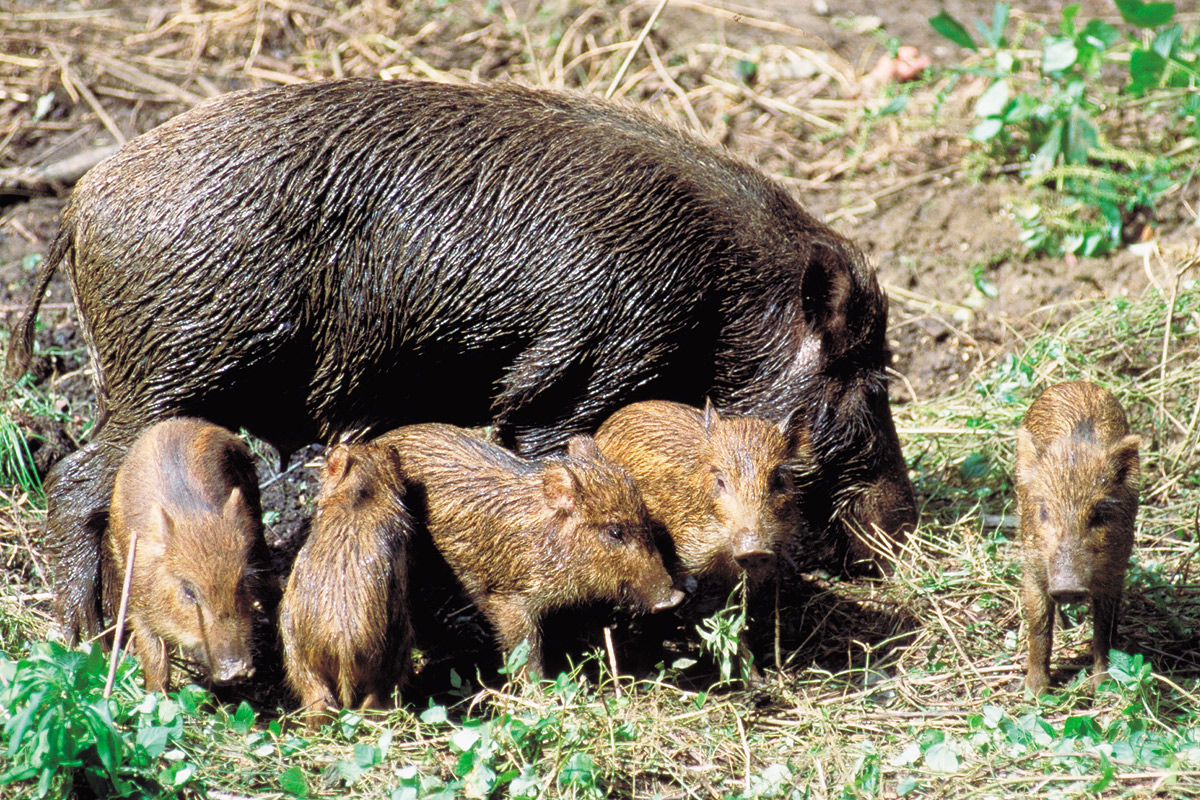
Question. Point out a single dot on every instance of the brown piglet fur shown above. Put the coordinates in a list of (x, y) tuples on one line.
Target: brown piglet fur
[(344, 619), (718, 485), (527, 537), (1077, 470), (199, 581)]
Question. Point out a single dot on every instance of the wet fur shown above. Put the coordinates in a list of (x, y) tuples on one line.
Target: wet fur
[(486, 254), (526, 537), (190, 491), (344, 620), (1077, 473), (676, 453)]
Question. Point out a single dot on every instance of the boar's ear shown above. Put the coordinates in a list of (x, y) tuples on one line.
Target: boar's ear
[(583, 447), (785, 424), (711, 417), (1027, 454), (1125, 460), (558, 485), (337, 464), (825, 289)]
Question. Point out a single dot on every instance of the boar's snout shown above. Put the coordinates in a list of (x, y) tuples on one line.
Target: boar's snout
[(670, 601)]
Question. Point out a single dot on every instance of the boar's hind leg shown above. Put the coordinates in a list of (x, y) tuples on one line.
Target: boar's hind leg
[(1105, 606), (78, 493)]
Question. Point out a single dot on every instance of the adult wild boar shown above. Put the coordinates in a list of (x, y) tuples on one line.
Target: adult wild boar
[(350, 256)]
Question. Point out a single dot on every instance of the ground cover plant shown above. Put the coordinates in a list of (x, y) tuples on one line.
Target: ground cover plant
[(906, 685)]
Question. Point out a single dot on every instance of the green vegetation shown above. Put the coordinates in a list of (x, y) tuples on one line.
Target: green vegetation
[(925, 693), (903, 686), (1047, 107)]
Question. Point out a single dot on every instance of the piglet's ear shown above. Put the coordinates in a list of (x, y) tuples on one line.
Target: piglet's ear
[(1125, 459), (583, 447), (558, 486), (235, 506), (337, 464), (163, 520), (1027, 455)]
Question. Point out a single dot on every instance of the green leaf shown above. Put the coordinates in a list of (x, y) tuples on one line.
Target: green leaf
[(1146, 15), (1081, 727), (243, 718), (906, 784), (1082, 137), (986, 130), (434, 715), (578, 770), (153, 740), (293, 782), (1100, 34), (1021, 108), (896, 105), (1167, 40), (1059, 54), (366, 755), (995, 35), (993, 101), (1047, 155), (1107, 773), (953, 30), (941, 758), (349, 771), (1145, 69), (974, 466), (464, 739)]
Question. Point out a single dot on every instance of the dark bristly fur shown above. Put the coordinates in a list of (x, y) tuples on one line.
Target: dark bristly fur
[(190, 491), (1077, 473), (344, 620), (527, 537), (349, 256)]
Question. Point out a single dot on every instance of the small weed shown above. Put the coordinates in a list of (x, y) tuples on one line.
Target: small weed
[(1047, 114), (60, 732)]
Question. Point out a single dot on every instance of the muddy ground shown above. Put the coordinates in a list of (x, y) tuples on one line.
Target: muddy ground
[(932, 213)]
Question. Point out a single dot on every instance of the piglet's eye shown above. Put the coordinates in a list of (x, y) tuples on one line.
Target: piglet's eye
[(189, 591), (615, 532), (1043, 514), (719, 482)]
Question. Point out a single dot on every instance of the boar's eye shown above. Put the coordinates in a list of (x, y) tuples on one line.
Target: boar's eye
[(779, 481), (1043, 514), (721, 486), (615, 532), (1103, 514)]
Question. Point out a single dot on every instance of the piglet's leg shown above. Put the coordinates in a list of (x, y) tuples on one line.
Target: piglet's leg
[(1105, 607), (1039, 627), (151, 651), (513, 624)]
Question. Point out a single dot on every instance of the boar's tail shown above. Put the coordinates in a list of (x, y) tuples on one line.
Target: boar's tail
[(20, 340)]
